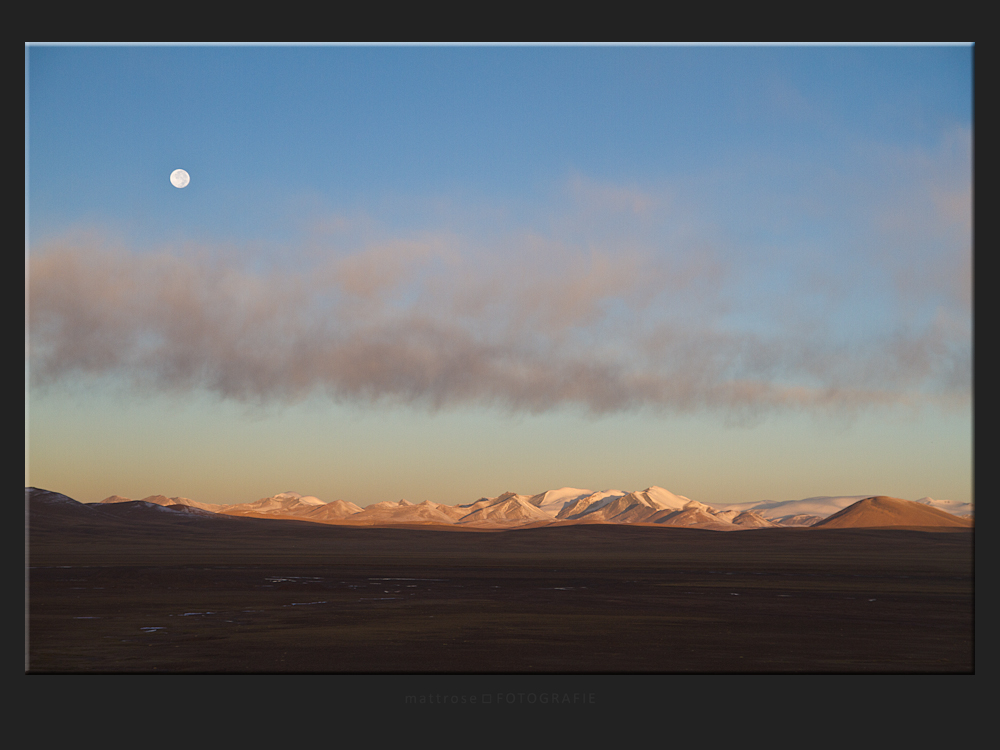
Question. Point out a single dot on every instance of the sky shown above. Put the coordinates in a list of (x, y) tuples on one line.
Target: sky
[(444, 272)]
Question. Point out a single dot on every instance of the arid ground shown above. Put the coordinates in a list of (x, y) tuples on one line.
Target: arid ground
[(246, 595)]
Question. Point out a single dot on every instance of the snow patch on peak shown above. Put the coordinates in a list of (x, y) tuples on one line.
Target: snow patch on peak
[(667, 500), (305, 499), (553, 501), (954, 507)]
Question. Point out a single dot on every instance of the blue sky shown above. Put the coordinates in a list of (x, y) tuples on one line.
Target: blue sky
[(444, 272)]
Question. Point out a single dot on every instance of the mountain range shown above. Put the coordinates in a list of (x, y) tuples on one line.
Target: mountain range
[(654, 505)]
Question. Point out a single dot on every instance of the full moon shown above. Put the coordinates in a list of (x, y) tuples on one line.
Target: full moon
[(179, 178)]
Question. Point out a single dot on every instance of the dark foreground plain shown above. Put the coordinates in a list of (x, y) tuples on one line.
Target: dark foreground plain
[(153, 592)]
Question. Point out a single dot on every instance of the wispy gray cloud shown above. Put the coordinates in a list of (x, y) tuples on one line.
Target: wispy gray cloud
[(537, 321), (177, 323)]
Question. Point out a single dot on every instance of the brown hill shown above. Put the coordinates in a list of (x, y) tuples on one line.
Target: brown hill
[(890, 511)]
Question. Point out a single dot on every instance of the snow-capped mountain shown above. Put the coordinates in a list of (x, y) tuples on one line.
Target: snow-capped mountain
[(820, 506), (811, 509), (281, 504), (164, 501), (587, 503), (403, 512), (334, 511), (956, 508), (553, 501), (654, 505), (509, 509)]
